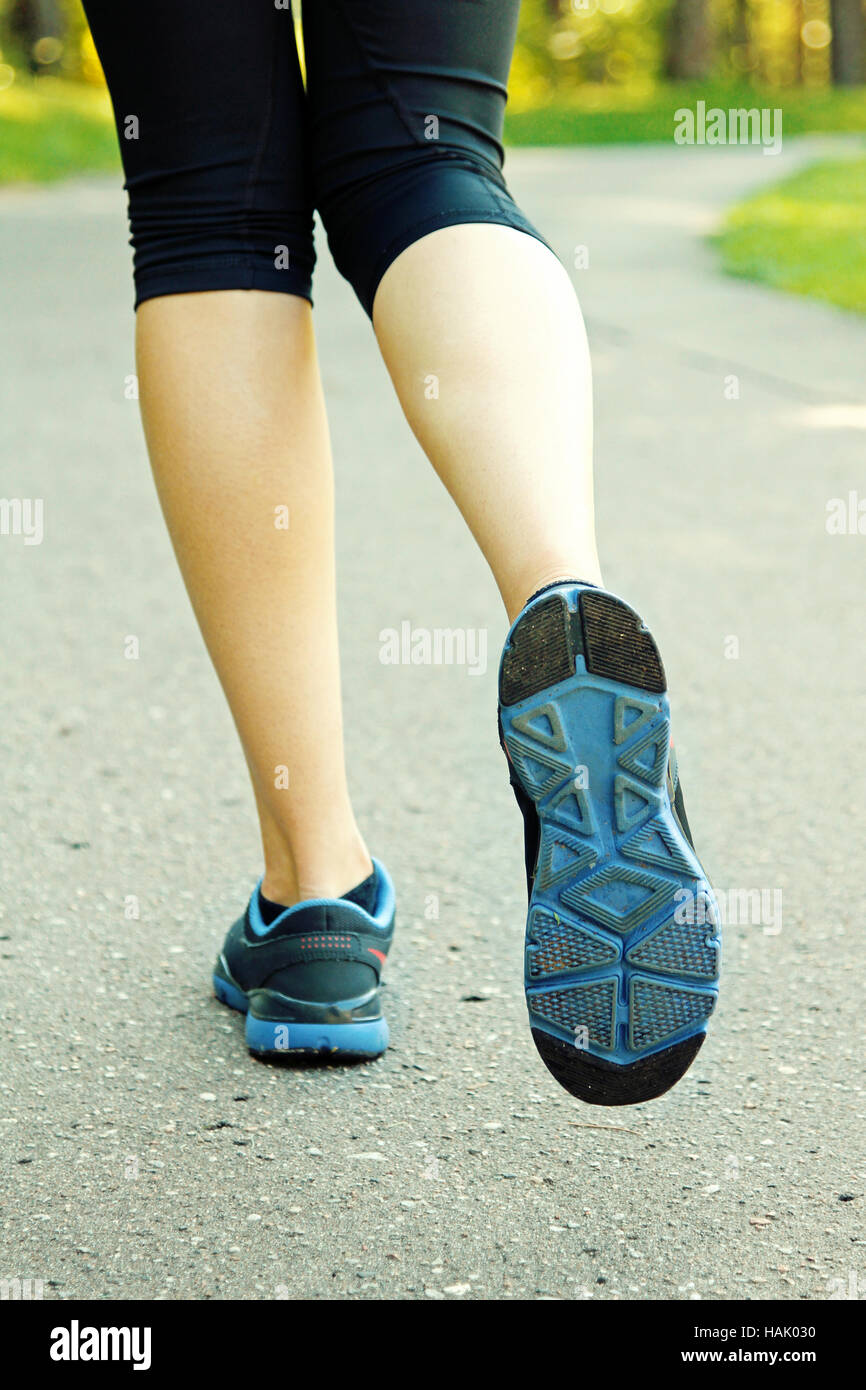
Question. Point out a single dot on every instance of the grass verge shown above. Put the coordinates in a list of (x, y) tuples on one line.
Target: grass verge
[(806, 235), (50, 128), (599, 115)]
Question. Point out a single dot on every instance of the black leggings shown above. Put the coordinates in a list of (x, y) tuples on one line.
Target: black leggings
[(226, 154)]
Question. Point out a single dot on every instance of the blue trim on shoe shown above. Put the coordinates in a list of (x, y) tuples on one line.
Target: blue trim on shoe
[(384, 913), (275, 1037), (369, 1039)]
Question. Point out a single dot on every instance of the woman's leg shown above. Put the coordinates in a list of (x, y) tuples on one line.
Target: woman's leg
[(212, 129), (485, 343), (475, 316), (237, 435)]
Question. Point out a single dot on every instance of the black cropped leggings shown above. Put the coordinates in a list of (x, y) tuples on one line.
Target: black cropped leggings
[(226, 153)]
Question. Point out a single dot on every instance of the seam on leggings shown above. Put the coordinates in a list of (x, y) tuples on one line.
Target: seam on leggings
[(403, 112), (222, 259), (255, 167)]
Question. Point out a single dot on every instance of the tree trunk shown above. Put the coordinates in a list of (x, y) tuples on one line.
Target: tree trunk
[(31, 20), (847, 52), (689, 48), (738, 41), (739, 30), (36, 19)]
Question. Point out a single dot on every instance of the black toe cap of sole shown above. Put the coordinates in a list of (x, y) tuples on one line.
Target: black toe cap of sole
[(605, 1083)]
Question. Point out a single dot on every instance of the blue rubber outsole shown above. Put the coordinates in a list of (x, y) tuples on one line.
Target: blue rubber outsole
[(278, 1037), (622, 951)]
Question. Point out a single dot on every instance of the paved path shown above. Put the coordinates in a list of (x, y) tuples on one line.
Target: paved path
[(143, 1152)]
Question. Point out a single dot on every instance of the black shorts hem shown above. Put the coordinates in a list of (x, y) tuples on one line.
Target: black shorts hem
[(196, 278), (450, 217)]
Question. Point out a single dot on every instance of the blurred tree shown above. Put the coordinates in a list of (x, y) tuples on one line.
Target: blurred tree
[(564, 45), (740, 48), (689, 41), (37, 27), (45, 36), (848, 44)]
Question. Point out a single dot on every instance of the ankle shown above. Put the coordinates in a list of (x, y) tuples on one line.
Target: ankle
[(279, 886), (518, 594), (315, 876)]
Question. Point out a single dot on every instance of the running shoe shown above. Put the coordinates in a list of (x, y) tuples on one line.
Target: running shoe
[(309, 982), (622, 945)]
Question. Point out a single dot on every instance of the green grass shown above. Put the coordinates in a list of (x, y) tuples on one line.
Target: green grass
[(50, 128), (806, 235), (593, 115)]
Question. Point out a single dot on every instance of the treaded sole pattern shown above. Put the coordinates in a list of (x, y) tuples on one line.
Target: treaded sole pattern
[(622, 949), (281, 1038)]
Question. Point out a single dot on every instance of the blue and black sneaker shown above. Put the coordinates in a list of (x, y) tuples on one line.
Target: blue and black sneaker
[(622, 947), (309, 981)]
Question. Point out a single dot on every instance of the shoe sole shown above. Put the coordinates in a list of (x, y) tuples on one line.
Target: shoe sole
[(279, 1037), (622, 948)]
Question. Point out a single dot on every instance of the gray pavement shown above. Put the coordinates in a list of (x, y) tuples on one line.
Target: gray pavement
[(143, 1153)]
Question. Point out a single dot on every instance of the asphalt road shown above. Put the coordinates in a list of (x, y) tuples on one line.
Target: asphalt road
[(143, 1152)]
